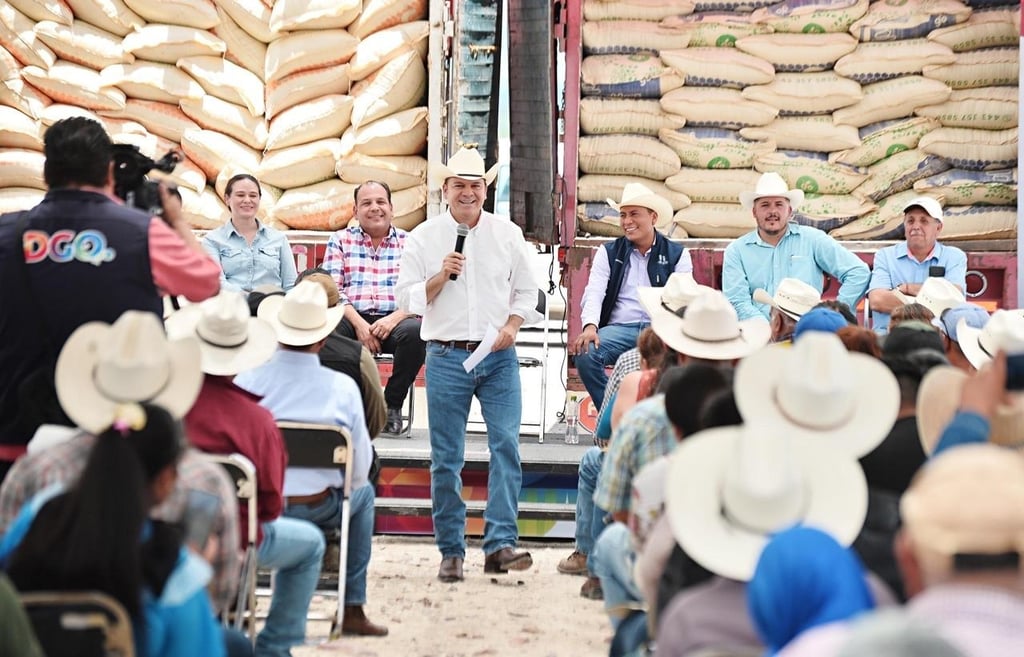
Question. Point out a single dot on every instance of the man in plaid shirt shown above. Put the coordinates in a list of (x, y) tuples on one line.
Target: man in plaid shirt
[(364, 261)]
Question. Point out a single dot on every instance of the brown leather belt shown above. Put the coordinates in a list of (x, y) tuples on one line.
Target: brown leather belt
[(315, 498), (465, 345)]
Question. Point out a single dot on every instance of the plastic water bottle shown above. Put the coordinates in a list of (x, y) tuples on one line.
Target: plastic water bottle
[(572, 436)]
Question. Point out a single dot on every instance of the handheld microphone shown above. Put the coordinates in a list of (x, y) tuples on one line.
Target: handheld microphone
[(460, 242)]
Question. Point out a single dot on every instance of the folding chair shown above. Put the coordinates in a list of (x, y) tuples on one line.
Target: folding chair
[(79, 623), (243, 473), (324, 446)]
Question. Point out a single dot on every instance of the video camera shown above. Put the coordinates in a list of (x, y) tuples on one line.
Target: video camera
[(130, 183)]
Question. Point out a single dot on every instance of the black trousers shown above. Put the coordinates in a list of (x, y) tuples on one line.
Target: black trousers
[(408, 350)]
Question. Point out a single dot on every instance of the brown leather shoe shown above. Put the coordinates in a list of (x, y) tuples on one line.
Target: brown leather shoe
[(450, 570), (507, 559), (355, 623), (591, 589)]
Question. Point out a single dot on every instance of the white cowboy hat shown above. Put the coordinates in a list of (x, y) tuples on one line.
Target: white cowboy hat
[(1004, 330), (467, 164), (708, 328), (819, 392), (679, 291), (793, 297), (730, 488), (301, 317), (105, 367), (938, 399), (638, 194), (937, 294), (230, 340), (772, 184), (928, 204)]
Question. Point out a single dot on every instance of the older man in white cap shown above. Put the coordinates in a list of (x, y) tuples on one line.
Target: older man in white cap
[(294, 386), (900, 270), (780, 248), (612, 317), (478, 293)]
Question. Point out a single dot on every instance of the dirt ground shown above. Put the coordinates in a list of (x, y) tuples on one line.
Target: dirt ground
[(534, 613)]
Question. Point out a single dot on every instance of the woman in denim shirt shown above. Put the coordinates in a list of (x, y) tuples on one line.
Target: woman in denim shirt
[(250, 254)]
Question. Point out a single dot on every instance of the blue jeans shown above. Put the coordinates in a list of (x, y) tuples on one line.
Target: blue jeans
[(294, 549), (327, 516), (450, 390), (612, 562), (589, 517), (615, 339)]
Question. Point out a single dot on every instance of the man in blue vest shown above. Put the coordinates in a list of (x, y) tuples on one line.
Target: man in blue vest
[(612, 316), (80, 256)]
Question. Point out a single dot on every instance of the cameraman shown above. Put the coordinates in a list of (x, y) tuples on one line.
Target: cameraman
[(80, 256)]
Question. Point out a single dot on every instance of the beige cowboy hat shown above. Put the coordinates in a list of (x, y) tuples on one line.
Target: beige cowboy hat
[(679, 291), (708, 328), (467, 164), (819, 392), (301, 317), (230, 340), (637, 194), (772, 184), (730, 488), (938, 399), (105, 367), (1004, 330), (937, 294), (793, 297), (928, 204)]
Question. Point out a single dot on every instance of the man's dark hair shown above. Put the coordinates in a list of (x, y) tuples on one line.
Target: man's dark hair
[(78, 152), (309, 272), (387, 190), (841, 308), (688, 386)]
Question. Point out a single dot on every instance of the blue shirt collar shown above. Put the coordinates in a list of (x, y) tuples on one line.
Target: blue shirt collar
[(903, 252)]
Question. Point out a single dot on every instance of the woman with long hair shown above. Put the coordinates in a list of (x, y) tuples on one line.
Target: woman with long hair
[(251, 254), (97, 536)]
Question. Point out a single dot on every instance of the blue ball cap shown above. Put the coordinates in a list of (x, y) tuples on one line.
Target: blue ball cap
[(976, 317), (819, 319)]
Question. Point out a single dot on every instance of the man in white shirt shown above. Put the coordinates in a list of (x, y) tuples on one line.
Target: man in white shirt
[(465, 296)]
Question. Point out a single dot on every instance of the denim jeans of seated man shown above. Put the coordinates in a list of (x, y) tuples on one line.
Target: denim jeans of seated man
[(327, 517), (589, 516), (615, 339), (613, 562), (294, 550), (450, 389)]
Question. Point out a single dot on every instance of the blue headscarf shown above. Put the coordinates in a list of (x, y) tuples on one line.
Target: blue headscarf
[(803, 579)]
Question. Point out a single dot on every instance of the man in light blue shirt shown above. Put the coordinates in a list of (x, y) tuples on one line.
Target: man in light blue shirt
[(899, 270), (781, 249), (294, 386)]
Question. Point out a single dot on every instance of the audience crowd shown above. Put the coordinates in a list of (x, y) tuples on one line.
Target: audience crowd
[(770, 475)]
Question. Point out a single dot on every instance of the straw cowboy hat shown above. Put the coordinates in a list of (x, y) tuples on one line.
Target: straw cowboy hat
[(637, 194), (467, 164), (793, 297), (817, 391), (106, 369), (679, 291), (928, 204), (772, 184), (938, 294), (938, 399), (708, 328), (1004, 330), (230, 340), (730, 488), (301, 317)]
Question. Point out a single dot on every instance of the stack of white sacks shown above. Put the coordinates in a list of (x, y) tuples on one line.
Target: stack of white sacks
[(310, 96), (862, 105)]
